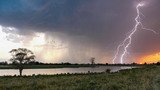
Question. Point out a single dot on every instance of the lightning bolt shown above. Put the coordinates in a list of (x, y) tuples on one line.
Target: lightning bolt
[(128, 40)]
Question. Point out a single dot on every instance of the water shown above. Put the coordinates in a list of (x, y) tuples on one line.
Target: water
[(62, 70)]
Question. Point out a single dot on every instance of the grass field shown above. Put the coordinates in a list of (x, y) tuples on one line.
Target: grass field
[(147, 78)]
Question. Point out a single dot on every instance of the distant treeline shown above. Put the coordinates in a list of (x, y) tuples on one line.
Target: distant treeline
[(67, 63)]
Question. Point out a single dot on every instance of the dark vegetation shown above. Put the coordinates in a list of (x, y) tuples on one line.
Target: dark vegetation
[(40, 65), (146, 78), (21, 56)]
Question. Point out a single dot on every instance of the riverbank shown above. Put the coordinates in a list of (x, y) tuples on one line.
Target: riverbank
[(147, 78)]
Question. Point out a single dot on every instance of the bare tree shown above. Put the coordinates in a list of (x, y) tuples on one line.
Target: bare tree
[(92, 60), (21, 56)]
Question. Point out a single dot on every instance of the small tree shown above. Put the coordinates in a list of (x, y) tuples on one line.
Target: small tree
[(20, 57), (92, 60)]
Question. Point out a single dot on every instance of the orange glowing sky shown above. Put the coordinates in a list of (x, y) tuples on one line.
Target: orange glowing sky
[(152, 58)]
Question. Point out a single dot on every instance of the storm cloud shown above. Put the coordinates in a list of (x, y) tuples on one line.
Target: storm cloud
[(90, 28)]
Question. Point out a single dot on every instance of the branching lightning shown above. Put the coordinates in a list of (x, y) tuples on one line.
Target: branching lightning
[(128, 40)]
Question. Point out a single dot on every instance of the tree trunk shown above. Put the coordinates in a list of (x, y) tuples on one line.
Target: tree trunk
[(20, 68), (20, 71)]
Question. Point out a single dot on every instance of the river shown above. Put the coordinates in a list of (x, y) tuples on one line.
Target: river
[(53, 71)]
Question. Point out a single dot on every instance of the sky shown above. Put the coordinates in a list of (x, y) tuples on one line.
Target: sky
[(76, 30)]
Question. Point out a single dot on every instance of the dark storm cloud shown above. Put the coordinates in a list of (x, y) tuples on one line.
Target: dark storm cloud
[(100, 20), (103, 23)]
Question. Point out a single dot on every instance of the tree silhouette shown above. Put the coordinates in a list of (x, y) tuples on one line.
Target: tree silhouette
[(92, 60), (20, 57)]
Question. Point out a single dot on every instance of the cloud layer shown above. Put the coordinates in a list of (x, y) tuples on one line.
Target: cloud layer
[(87, 28)]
